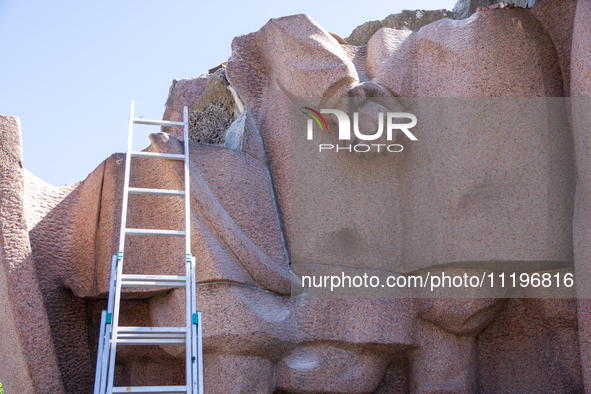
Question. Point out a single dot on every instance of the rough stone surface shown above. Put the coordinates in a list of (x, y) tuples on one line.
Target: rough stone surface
[(182, 92), (580, 66), (64, 262), (450, 60), (443, 362), (242, 320), (238, 374), (28, 359), (248, 70), (462, 317), (328, 369), (581, 92), (525, 350), (213, 112), (406, 20), (390, 59), (65, 258), (465, 8), (233, 238), (519, 57), (558, 16), (57, 242), (243, 135), (443, 59)]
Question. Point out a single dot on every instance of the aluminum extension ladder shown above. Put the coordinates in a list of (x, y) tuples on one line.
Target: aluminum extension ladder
[(111, 334)]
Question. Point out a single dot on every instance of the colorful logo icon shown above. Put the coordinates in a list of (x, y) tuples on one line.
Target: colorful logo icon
[(315, 116)]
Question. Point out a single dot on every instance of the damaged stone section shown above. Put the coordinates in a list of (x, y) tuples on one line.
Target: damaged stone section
[(464, 8), (244, 136), (182, 92), (213, 106), (214, 111), (415, 19), (217, 114), (406, 20)]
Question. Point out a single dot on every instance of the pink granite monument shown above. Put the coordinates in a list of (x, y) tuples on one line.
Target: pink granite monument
[(527, 203)]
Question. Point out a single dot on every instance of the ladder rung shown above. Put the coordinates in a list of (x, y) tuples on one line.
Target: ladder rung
[(151, 335), (169, 156), (158, 192), (158, 122), (151, 389), (169, 281), (159, 330), (145, 231)]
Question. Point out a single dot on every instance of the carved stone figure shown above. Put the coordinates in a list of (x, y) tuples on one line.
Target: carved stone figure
[(518, 204)]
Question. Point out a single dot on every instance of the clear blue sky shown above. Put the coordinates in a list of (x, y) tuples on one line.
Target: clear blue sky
[(70, 68)]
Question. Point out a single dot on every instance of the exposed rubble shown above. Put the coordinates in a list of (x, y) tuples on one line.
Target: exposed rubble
[(406, 20)]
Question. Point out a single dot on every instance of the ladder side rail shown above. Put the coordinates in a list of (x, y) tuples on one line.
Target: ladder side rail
[(200, 352), (115, 324), (188, 294), (112, 284), (99, 354), (126, 180), (188, 323), (187, 185), (195, 358), (108, 326), (120, 259)]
